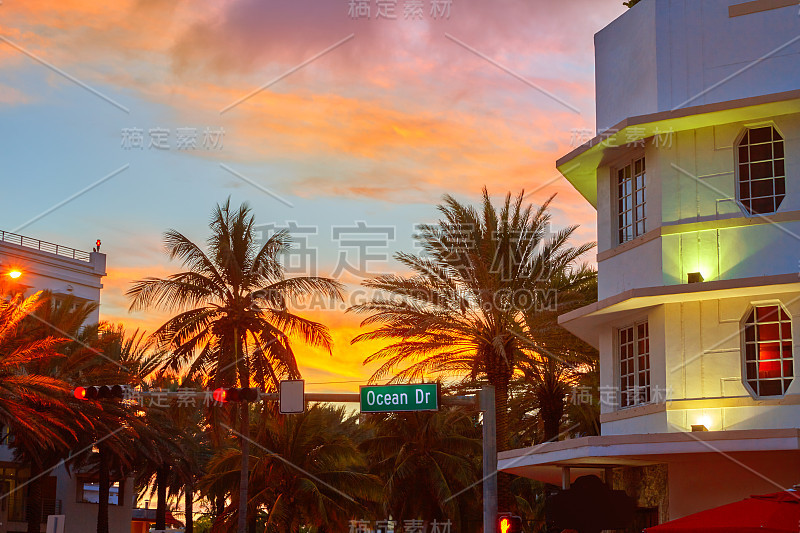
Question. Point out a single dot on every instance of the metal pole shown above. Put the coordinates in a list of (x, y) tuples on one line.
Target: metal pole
[(337, 397), (489, 458)]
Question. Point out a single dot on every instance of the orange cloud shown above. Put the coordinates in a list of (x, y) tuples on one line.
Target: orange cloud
[(400, 113)]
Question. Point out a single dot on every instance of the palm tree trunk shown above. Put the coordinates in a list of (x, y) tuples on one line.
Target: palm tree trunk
[(105, 484), (34, 507), (219, 510), (188, 506), (219, 505), (551, 404), (244, 381), (499, 376), (243, 478), (161, 488)]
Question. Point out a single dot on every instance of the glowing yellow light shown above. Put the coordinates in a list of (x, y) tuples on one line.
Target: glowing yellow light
[(505, 525), (704, 420), (14, 274)]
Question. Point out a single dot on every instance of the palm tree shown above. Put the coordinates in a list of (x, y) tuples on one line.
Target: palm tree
[(34, 403), (118, 436), (583, 415), (49, 320), (429, 463), (553, 360), (159, 459), (460, 312), (306, 471), (182, 450), (18, 352), (234, 322)]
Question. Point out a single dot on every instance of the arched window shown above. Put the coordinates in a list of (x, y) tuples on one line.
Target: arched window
[(768, 359), (762, 173)]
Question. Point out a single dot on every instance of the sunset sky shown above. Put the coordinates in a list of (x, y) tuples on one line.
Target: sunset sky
[(360, 121)]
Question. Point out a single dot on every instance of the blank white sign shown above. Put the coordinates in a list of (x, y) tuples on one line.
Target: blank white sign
[(292, 399)]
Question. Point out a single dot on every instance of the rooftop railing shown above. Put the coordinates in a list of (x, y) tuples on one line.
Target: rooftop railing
[(44, 246)]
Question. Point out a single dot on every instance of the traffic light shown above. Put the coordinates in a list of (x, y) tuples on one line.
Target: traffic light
[(508, 523), (236, 394), (103, 392)]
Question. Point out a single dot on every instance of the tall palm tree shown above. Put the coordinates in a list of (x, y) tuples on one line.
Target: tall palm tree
[(234, 321), (460, 312)]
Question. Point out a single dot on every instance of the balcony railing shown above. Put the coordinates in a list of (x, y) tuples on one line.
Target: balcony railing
[(49, 507), (44, 246)]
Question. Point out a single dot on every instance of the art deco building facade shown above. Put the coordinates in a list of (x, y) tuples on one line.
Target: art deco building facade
[(695, 176)]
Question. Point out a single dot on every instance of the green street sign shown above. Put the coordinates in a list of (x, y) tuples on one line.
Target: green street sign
[(397, 398)]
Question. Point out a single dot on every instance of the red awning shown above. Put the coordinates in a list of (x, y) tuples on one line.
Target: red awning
[(767, 513)]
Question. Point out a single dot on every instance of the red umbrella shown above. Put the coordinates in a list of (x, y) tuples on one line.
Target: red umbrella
[(768, 513)]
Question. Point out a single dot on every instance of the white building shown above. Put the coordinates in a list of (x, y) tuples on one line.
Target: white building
[(65, 271), (695, 176), (48, 266)]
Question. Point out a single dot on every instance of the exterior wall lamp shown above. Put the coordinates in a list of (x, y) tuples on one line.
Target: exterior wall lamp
[(695, 277)]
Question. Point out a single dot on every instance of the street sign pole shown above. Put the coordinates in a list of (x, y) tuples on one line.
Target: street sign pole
[(486, 403)]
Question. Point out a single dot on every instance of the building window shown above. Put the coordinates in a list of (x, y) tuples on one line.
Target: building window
[(762, 173), (769, 364), (631, 200), (634, 365), (12, 482), (89, 492)]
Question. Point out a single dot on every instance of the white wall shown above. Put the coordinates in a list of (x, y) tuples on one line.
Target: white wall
[(640, 266), (692, 180), (696, 352), (666, 54), (702, 189), (82, 517), (625, 66), (704, 359), (62, 275)]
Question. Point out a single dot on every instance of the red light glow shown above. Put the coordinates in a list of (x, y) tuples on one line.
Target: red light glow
[(219, 395), (505, 525)]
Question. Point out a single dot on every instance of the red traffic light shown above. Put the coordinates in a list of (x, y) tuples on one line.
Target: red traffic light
[(115, 392), (507, 523), (220, 395), (235, 394)]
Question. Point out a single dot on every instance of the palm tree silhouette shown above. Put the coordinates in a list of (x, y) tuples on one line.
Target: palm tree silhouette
[(461, 311), (234, 322)]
